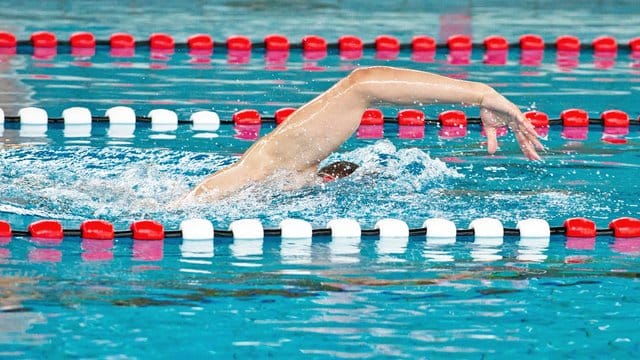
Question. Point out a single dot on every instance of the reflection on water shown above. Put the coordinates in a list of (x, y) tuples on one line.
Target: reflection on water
[(366, 295)]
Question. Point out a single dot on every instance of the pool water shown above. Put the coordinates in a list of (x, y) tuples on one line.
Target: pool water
[(122, 180), (320, 297)]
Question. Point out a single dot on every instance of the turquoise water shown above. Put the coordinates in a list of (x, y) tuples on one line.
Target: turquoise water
[(315, 298), (318, 299)]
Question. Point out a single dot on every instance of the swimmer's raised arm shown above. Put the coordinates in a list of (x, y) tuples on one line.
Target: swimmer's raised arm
[(319, 127)]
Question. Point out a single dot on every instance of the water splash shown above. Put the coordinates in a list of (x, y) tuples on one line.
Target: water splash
[(386, 182), (122, 184)]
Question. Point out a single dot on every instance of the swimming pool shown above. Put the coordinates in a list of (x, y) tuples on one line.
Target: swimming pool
[(368, 296)]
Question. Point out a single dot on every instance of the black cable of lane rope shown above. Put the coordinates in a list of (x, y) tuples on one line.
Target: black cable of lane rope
[(173, 234), (465, 232), (558, 230), (604, 232), (321, 232), (330, 45), (72, 232), (223, 233), (512, 232), (370, 232), (272, 119), (272, 232)]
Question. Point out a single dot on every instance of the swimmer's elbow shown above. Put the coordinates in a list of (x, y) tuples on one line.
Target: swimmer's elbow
[(357, 82), (368, 73), (363, 74), (366, 81)]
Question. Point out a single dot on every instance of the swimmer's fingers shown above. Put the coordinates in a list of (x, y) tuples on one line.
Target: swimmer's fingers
[(492, 139), (527, 141), (490, 122), (526, 145), (529, 130)]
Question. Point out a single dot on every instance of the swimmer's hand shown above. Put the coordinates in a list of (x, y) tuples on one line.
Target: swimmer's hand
[(496, 111)]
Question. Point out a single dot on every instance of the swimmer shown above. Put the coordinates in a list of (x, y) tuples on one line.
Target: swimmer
[(319, 127)]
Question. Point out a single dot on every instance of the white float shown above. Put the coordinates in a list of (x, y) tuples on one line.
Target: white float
[(121, 115), (295, 229), (392, 228), (163, 120), (440, 228), (247, 229), (205, 121), (197, 229), (33, 116), (197, 238), (344, 228), (487, 227), (440, 231), (76, 116), (534, 228)]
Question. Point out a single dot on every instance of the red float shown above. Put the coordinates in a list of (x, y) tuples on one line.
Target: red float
[(531, 42), (625, 227), (82, 40), (387, 43), (634, 44), (350, 43), (7, 40), (410, 117), (459, 43), (238, 43), (46, 229), (606, 44), (122, 41), (282, 114), (372, 117), (247, 117), (537, 118), (579, 227), (5, 229), (160, 41), (200, 42), (423, 43), (453, 118), (568, 43), (44, 39), (495, 42), (574, 118), (275, 42), (314, 43), (615, 118), (147, 230), (97, 230)]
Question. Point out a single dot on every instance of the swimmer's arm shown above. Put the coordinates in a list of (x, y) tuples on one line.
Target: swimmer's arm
[(403, 86), (318, 128), (220, 184)]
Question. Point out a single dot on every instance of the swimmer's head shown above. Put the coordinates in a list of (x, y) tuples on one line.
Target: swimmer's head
[(337, 170)]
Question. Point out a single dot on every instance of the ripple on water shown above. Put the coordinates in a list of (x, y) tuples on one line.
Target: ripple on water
[(122, 184)]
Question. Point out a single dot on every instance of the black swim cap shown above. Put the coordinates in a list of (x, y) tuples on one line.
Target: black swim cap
[(337, 170)]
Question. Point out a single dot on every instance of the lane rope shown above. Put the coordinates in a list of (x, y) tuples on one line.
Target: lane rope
[(277, 42), (624, 227), (569, 117)]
